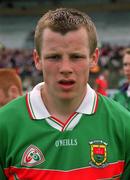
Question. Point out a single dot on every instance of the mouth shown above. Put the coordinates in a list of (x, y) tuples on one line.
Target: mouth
[(66, 84)]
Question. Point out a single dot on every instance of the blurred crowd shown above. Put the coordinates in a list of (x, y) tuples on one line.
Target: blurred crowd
[(22, 61), (111, 61)]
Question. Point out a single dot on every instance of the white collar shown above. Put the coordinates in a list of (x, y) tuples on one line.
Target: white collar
[(37, 109)]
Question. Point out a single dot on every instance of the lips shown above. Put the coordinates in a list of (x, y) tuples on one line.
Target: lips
[(66, 82)]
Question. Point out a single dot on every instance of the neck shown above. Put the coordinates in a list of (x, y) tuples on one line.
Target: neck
[(60, 108)]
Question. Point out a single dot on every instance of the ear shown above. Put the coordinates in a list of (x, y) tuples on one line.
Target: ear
[(13, 92), (37, 60), (94, 58)]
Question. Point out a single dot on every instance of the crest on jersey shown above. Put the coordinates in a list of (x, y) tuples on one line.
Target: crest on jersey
[(98, 154), (32, 156)]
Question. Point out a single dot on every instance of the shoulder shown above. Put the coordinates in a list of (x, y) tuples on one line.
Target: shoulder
[(114, 115), (13, 104), (113, 107), (12, 110)]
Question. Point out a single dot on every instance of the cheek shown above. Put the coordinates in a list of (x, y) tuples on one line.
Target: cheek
[(2, 95), (126, 69), (83, 69), (48, 72), (3, 100), (83, 74)]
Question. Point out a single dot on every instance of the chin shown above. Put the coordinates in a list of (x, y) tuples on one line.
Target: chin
[(66, 97)]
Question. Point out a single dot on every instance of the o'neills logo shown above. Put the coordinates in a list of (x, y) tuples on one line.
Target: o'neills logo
[(98, 154), (32, 156), (66, 142)]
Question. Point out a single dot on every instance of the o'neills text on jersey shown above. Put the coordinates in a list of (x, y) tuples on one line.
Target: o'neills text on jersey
[(66, 142)]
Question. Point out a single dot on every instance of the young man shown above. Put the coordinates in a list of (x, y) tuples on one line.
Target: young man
[(10, 86), (62, 129), (123, 96)]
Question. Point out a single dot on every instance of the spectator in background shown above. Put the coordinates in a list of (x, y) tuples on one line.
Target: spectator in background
[(101, 82), (10, 86), (123, 95)]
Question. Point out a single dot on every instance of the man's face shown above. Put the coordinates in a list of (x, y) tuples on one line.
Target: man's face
[(126, 66), (65, 62)]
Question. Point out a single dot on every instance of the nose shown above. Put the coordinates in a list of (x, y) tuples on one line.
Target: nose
[(66, 66)]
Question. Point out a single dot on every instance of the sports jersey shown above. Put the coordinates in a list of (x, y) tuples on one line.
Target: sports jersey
[(123, 97), (93, 144)]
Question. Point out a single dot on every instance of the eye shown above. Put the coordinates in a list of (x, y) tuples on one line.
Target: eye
[(126, 64), (53, 57), (77, 57)]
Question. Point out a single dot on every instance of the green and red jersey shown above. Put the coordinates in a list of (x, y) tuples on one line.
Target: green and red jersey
[(94, 143)]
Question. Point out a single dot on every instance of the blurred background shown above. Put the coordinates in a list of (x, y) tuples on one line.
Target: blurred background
[(18, 19)]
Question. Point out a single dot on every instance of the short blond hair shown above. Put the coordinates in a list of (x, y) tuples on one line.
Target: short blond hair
[(63, 20), (126, 51)]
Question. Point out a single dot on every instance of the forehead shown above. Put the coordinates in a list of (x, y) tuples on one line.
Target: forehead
[(76, 40), (74, 37), (126, 58)]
